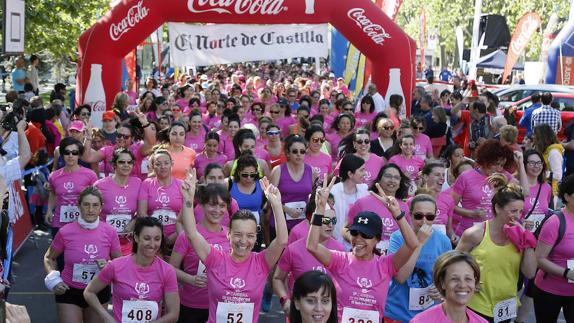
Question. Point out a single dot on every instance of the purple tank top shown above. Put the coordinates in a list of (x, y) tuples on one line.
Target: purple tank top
[(292, 191)]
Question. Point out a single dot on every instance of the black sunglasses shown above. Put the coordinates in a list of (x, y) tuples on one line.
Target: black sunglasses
[(355, 233), (327, 221), (420, 216), (120, 136), (125, 162), (249, 175), (72, 152), (362, 142), (300, 151), (419, 128)]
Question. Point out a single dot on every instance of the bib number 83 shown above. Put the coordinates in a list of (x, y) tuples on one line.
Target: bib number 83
[(234, 317), (140, 315)]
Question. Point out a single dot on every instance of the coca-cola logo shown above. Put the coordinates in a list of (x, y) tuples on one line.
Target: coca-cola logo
[(239, 7), (528, 28), (375, 31), (97, 106), (135, 14)]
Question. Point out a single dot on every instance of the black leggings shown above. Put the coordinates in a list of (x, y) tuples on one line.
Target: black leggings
[(547, 306), (192, 315)]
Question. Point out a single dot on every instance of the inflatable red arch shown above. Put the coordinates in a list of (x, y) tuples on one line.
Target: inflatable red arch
[(131, 21)]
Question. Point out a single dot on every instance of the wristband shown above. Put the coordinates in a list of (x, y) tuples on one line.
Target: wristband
[(317, 219), (400, 216), (52, 280), (565, 274), (147, 125)]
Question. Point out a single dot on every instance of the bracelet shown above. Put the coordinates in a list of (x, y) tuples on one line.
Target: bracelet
[(283, 299), (400, 216), (565, 274), (147, 125), (317, 219)]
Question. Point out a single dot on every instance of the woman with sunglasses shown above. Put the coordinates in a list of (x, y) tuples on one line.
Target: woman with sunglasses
[(83, 113), (87, 245), (393, 183), (214, 200), (195, 137), (160, 195), (66, 184), (360, 147), (503, 249), (127, 137), (120, 194), (295, 180), (384, 141), (209, 154), (411, 288), (363, 276), (315, 157), (256, 111), (274, 147), (408, 162), (296, 259), (366, 113), (343, 124), (245, 141), (423, 145)]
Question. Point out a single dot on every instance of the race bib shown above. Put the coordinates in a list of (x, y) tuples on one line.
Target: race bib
[(118, 221), (570, 264), (144, 169), (300, 205), (534, 221), (354, 315), (201, 270), (139, 311), (383, 246), (440, 228), (69, 213), (504, 310), (165, 216), (84, 273), (234, 313), (419, 299)]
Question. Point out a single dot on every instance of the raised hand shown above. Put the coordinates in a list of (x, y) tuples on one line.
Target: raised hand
[(189, 185), (322, 193), (390, 202), (518, 157), (271, 192)]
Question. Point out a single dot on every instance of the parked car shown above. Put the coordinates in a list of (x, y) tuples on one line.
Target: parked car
[(566, 106), (517, 93)]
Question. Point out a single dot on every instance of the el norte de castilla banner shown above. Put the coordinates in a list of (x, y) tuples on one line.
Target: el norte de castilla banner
[(200, 45)]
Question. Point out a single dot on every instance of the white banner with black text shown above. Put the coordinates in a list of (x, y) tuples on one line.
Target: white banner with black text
[(200, 45)]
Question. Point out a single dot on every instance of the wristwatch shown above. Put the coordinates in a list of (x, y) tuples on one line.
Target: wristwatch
[(400, 216)]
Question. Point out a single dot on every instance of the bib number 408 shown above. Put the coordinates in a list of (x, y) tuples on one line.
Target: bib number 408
[(234, 317), (140, 315)]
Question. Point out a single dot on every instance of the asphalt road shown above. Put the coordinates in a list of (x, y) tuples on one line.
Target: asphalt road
[(28, 285)]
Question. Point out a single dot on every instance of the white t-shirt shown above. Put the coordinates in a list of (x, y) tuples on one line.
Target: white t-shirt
[(380, 104), (343, 203)]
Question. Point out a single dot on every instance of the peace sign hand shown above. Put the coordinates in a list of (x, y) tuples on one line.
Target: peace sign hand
[(322, 193), (390, 202), (271, 192)]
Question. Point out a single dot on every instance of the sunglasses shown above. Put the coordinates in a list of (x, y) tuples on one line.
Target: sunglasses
[(348, 110), (71, 152), (327, 221), (317, 140), (125, 162), (254, 175), (388, 128), (362, 142), (419, 128), (120, 136), (257, 110), (175, 109), (274, 133), (420, 216), (85, 114), (355, 233), (275, 112), (295, 151)]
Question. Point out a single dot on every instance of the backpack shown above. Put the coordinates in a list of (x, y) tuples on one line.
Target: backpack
[(561, 229)]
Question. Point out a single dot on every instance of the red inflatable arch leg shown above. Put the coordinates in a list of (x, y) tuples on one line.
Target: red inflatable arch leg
[(131, 21)]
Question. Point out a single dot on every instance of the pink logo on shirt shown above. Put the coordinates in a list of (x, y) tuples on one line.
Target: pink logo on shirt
[(367, 176), (218, 246), (365, 284), (163, 198), (487, 190), (69, 186), (237, 283), (121, 200), (91, 250), (320, 268), (410, 169), (142, 289)]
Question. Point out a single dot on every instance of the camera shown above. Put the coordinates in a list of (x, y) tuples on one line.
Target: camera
[(10, 121)]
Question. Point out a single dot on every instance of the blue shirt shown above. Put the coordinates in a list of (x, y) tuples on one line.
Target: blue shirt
[(18, 74), (445, 75), (526, 120), (397, 307)]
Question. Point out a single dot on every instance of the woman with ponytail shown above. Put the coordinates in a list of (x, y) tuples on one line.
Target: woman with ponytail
[(502, 248)]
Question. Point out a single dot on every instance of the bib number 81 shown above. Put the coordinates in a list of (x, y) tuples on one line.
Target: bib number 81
[(234, 317), (140, 315)]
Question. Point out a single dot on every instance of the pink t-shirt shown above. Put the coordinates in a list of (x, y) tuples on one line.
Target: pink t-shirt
[(423, 146), (191, 296), (163, 202), (82, 248), (108, 152), (284, 124), (299, 231), (475, 193), (370, 203), (195, 142), (297, 260), (562, 253), (362, 119), (363, 284), (118, 200), (321, 163), (437, 314), (541, 207), (334, 139), (411, 167), (131, 282), (232, 282), (226, 145), (67, 188), (444, 208), (201, 161), (372, 167), (234, 207), (212, 122)]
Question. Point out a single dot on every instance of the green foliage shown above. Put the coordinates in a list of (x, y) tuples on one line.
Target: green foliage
[(444, 16), (54, 26)]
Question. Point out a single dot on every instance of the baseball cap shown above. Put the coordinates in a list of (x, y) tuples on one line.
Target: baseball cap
[(108, 116), (77, 125), (283, 102), (367, 222)]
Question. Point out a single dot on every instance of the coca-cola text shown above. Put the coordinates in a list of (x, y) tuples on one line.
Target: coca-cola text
[(528, 28), (97, 106), (239, 7), (135, 14), (375, 31)]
